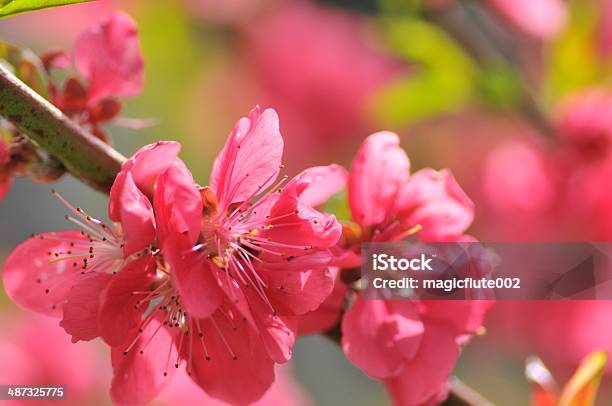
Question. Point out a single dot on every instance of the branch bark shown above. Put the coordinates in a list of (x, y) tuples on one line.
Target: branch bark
[(86, 157)]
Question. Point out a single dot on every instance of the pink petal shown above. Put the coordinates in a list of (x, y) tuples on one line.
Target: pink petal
[(295, 223), (300, 285), (145, 166), (28, 272), (239, 370), (135, 216), (278, 333), (462, 316), (380, 337), (80, 318), (118, 314), (250, 159), (325, 181), (543, 19), (434, 200), (427, 373), (178, 204), (199, 289), (328, 313), (108, 56), (378, 171), (139, 378)]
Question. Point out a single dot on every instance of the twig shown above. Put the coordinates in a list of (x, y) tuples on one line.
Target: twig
[(83, 155), (486, 42)]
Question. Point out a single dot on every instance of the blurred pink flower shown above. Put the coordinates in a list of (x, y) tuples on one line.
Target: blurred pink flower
[(108, 57), (412, 346), (542, 19), (322, 86), (585, 120), (26, 362), (6, 175), (605, 28), (517, 176)]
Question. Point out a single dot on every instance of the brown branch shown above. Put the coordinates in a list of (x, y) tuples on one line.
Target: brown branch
[(83, 155)]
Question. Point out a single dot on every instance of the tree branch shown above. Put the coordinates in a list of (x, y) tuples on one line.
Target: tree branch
[(83, 155), (486, 42)]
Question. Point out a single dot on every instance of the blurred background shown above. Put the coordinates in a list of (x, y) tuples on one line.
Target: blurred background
[(512, 95)]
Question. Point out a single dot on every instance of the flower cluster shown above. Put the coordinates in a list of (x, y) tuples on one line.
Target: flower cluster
[(109, 66), (218, 278), (411, 345), (107, 57)]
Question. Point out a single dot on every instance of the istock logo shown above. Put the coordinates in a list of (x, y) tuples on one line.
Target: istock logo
[(384, 262)]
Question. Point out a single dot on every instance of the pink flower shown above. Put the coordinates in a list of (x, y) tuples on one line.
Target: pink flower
[(245, 256), (6, 175), (108, 57), (605, 28), (84, 277), (528, 187), (584, 121), (213, 277), (46, 365), (411, 345), (542, 19), (322, 88)]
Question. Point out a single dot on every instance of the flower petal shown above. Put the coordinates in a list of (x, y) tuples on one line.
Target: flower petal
[(80, 318), (30, 269), (380, 339), (300, 285), (434, 200), (136, 217), (328, 313), (145, 166), (542, 19), (427, 373), (250, 159), (325, 181), (278, 333), (140, 377), (378, 171), (108, 56), (118, 311), (178, 205), (198, 287), (236, 356)]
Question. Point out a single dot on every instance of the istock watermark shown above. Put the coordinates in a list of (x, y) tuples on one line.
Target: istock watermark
[(486, 271)]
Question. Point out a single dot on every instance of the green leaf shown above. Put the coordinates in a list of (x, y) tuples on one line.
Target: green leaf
[(442, 80), (499, 86), (12, 7)]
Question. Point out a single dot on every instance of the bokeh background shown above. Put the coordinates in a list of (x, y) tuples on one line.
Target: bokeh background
[(512, 96)]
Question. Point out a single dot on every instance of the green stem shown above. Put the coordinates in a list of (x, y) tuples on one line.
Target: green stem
[(83, 155)]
